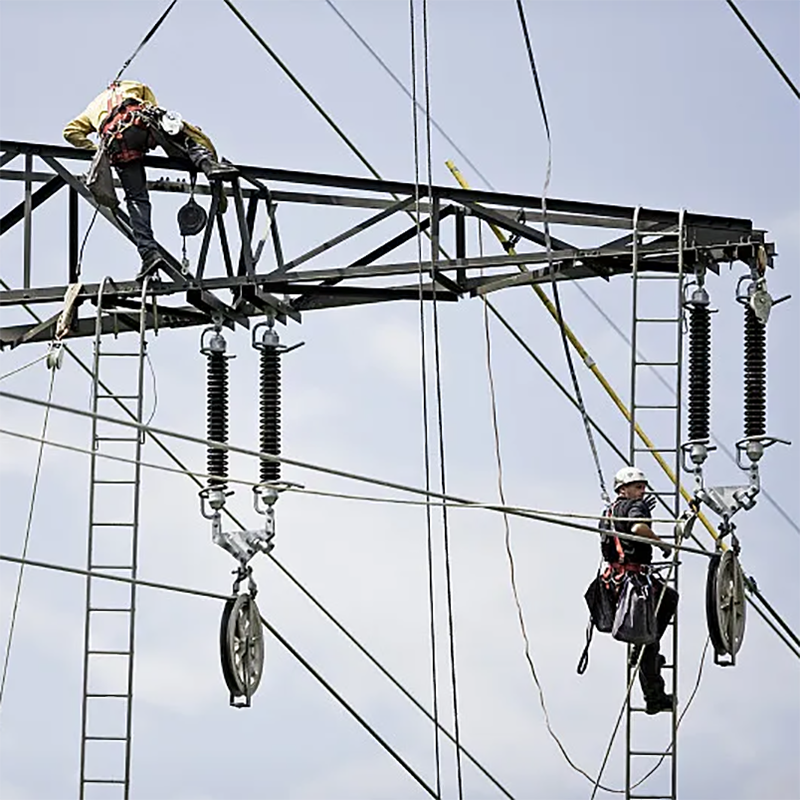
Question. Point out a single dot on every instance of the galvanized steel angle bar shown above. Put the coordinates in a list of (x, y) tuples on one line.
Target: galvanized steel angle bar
[(43, 193)]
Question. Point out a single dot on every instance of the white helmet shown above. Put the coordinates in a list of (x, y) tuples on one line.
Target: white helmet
[(628, 475)]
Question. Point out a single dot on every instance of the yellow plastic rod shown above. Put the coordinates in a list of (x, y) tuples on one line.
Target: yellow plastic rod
[(588, 360)]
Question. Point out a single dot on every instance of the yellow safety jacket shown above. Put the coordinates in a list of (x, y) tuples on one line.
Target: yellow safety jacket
[(78, 131)]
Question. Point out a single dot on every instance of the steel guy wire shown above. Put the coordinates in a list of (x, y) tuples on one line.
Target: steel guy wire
[(26, 540), (764, 49), (424, 388)]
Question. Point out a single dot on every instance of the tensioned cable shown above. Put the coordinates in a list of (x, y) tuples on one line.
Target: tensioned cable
[(24, 366), (548, 244), (424, 379), (764, 48), (146, 39), (439, 404), (470, 505), (150, 430), (265, 623), (403, 87), (26, 540)]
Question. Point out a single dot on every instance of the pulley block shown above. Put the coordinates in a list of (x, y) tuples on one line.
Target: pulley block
[(725, 605), (241, 639)]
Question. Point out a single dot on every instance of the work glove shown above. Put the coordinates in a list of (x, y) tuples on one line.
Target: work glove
[(650, 501), (666, 551)]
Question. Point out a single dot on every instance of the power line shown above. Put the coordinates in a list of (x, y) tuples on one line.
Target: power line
[(325, 470), (424, 393), (271, 628), (764, 48)]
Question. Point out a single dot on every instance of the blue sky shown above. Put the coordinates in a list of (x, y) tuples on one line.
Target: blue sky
[(660, 104)]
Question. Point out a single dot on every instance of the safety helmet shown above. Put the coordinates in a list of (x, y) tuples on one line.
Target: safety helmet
[(628, 475), (192, 218)]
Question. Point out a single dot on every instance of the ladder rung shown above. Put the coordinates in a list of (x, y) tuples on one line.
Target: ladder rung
[(111, 566), (111, 524), (126, 483), (106, 780), (116, 438), (109, 652), (668, 754), (106, 738), (655, 408), (107, 694), (659, 319), (659, 276), (109, 608), (120, 355), (650, 796), (117, 396)]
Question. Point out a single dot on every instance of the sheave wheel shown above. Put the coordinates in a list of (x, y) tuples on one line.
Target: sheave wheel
[(241, 639), (725, 603)]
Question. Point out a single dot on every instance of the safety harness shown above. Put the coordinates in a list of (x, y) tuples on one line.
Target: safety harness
[(126, 129)]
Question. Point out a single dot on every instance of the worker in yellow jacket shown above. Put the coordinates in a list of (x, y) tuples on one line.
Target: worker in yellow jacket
[(128, 122)]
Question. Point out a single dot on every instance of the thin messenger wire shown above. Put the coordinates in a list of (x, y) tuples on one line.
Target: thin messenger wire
[(314, 467), (405, 90), (469, 505), (26, 540), (424, 392), (24, 366)]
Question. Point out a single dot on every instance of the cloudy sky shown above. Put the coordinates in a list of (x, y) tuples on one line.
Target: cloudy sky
[(660, 104)]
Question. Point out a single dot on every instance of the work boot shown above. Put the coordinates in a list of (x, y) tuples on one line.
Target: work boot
[(659, 702), (215, 170), (150, 264)]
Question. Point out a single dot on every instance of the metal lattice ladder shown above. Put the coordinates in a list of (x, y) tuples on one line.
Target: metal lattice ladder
[(652, 739), (114, 491)]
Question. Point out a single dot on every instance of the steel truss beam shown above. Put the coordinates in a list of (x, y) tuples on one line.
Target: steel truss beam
[(253, 282)]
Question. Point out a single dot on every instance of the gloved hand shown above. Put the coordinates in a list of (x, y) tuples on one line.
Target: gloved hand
[(650, 501), (666, 550)]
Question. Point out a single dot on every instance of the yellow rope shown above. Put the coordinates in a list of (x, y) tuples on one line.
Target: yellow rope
[(589, 361)]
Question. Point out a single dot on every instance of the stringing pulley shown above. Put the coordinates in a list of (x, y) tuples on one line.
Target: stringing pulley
[(725, 606), (241, 640)]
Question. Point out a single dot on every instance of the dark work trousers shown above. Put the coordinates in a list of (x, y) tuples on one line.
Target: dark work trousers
[(134, 184), (650, 669)]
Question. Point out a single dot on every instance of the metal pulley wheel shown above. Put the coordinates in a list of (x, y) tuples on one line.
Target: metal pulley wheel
[(725, 603), (241, 639)]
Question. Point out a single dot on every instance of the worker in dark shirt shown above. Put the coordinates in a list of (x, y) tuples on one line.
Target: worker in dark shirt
[(622, 555)]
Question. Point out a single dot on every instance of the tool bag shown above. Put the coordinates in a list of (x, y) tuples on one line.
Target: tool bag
[(635, 618), (601, 601), (99, 180)]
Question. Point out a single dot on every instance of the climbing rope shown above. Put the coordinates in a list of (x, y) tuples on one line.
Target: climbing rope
[(26, 540), (548, 245)]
